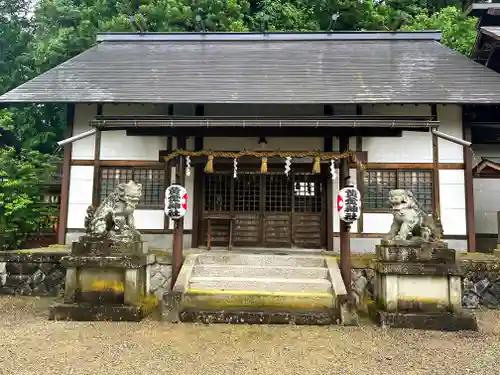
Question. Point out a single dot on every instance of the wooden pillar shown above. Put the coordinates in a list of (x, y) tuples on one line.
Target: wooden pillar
[(197, 200), (435, 167), (97, 162), (66, 173), (167, 177), (180, 178), (345, 241), (469, 186), (328, 147)]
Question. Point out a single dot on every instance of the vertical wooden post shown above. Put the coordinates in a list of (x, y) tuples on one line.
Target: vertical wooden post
[(435, 166), (469, 186), (345, 241), (97, 162), (66, 173), (328, 147), (177, 245), (197, 199), (168, 178)]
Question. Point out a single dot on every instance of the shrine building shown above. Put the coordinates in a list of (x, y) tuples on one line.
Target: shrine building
[(263, 129)]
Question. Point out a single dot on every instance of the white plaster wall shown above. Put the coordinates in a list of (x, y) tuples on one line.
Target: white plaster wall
[(80, 194), (452, 199), (486, 204), (486, 192), (415, 147), (116, 145), (84, 148), (80, 197), (273, 143)]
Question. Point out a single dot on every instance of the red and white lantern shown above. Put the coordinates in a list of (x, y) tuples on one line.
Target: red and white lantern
[(349, 204), (176, 201)]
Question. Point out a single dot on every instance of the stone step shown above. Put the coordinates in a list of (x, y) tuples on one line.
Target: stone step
[(256, 284), (261, 259), (285, 272)]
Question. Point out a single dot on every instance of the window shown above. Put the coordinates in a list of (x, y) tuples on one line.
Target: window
[(152, 180), (378, 183)]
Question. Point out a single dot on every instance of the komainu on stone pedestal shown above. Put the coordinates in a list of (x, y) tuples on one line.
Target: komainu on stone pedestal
[(114, 218), (106, 272), (411, 223), (417, 278)]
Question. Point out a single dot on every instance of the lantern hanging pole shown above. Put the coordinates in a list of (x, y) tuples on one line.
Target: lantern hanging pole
[(451, 138), (76, 137)]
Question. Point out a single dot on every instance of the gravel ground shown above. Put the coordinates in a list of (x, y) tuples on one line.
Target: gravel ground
[(30, 344)]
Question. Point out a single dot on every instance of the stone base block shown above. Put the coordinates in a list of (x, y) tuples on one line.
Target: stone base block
[(84, 312), (439, 321), (259, 317)]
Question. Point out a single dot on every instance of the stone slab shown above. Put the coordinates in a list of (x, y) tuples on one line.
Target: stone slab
[(83, 312), (415, 254), (287, 272), (442, 321), (324, 317), (427, 269), (91, 246), (261, 259), (125, 261), (264, 285)]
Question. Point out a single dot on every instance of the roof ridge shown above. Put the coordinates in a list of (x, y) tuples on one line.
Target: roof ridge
[(272, 36)]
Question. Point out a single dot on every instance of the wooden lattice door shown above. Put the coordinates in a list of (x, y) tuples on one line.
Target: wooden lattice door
[(269, 210)]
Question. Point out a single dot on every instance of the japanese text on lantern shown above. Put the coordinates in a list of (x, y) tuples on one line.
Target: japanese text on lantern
[(176, 200), (349, 204)]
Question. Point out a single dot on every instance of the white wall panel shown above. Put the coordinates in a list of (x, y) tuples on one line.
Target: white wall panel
[(273, 143), (80, 194), (486, 204), (84, 148), (149, 219)]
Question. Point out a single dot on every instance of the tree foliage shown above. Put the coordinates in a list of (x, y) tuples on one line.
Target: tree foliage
[(35, 40)]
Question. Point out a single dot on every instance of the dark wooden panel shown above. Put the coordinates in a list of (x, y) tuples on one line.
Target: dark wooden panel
[(277, 229), (246, 229), (307, 230), (220, 232)]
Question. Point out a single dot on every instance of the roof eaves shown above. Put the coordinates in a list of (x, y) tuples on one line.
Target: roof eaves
[(275, 36)]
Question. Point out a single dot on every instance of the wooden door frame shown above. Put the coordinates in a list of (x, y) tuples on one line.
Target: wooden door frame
[(255, 167)]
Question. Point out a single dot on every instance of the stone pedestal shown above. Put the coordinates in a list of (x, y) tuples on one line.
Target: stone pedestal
[(105, 280), (419, 286)]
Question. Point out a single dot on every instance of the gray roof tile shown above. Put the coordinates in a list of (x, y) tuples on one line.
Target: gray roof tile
[(322, 71)]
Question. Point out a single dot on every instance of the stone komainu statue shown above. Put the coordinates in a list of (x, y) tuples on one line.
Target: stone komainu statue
[(115, 216), (411, 222)]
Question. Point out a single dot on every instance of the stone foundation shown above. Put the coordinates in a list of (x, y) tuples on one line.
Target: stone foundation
[(480, 286), (32, 272), (37, 272)]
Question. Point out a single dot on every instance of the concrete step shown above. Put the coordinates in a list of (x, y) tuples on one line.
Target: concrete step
[(261, 259), (264, 285), (285, 272)]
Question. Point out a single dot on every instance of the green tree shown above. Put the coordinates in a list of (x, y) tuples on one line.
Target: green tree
[(21, 185), (459, 31)]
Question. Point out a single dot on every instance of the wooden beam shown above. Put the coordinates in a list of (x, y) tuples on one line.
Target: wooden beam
[(345, 242), (168, 176), (469, 186), (197, 196), (97, 162), (270, 132), (66, 174), (360, 179), (328, 147), (435, 167), (178, 237)]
